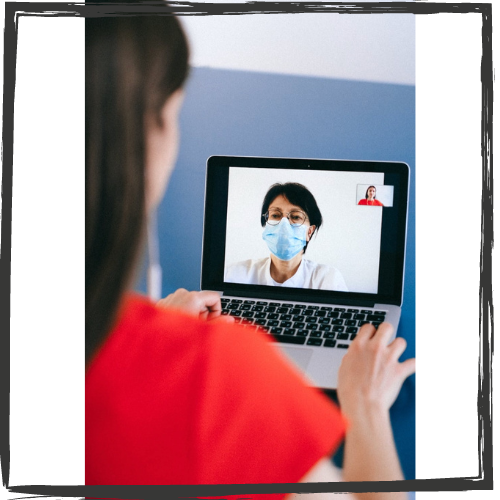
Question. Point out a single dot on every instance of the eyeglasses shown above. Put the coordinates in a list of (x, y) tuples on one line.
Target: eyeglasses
[(296, 217)]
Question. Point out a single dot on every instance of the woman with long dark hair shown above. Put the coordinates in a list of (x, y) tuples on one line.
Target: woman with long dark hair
[(174, 394)]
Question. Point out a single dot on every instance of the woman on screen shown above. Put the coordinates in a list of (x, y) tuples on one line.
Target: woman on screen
[(290, 217), (370, 198)]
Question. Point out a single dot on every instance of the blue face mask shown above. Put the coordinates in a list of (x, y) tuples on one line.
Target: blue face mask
[(284, 240)]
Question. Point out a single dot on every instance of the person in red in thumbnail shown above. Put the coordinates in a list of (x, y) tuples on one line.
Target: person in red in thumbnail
[(370, 198)]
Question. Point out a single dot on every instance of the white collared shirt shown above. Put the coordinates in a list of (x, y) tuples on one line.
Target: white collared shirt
[(309, 275)]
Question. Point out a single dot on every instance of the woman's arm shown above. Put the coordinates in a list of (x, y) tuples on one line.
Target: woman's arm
[(370, 379)]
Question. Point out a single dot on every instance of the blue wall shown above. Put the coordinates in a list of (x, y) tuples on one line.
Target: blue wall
[(258, 114)]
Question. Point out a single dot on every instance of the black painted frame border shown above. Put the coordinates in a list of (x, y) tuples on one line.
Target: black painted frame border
[(484, 480)]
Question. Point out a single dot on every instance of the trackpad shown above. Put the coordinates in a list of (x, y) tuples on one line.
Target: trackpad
[(300, 357)]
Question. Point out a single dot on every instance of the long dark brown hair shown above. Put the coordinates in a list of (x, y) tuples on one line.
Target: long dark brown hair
[(132, 66)]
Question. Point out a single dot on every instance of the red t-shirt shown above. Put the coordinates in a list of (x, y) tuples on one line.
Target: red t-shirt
[(174, 400), (371, 203)]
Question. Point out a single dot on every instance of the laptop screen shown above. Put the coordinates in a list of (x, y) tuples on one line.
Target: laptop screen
[(315, 227)]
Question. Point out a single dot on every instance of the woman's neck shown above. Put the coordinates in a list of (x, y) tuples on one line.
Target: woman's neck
[(282, 270)]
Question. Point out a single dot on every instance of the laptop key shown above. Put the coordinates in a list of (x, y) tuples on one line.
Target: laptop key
[(350, 322), (339, 309), (289, 331), (273, 316), (258, 308), (270, 309), (333, 314), (248, 314), (338, 329), (320, 314), (299, 324), (314, 334), (353, 336), (261, 303), (375, 317), (286, 324), (343, 336), (312, 326), (302, 333), (330, 343), (286, 317), (273, 322), (359, 316), (352, 310), (290, 339), (260, 315), (315, 342), (328, 335), (300, 306), (343, 346), (346, 315), (311, 319), (337, 322), (235, 313), (276, 330), (325, 328), (351, 329), (295, 310)]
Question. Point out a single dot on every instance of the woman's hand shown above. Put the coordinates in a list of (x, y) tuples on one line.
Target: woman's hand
[(205, 305), (370, 376)]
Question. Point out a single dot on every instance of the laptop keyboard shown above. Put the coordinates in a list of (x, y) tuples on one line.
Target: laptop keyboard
[(320, 326)]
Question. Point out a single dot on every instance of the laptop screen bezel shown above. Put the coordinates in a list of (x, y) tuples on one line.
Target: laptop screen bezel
[(393, 230)]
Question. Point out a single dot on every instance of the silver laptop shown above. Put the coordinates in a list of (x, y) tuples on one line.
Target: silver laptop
[(306, 250)]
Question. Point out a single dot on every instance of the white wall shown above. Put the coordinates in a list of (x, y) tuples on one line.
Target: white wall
[(378, 48)]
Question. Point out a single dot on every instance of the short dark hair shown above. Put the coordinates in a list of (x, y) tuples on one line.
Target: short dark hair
[(132, 66), (375, 195), (297, 194)]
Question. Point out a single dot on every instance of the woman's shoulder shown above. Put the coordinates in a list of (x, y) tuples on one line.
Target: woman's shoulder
[(325, 277), (248, 263), (245, 270), (225, 380)]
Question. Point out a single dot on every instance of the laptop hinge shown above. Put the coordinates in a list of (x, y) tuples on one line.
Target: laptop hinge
[(297, 297)]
